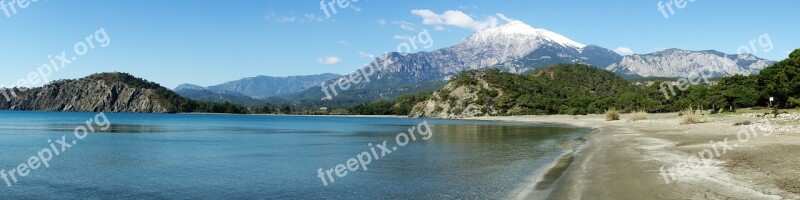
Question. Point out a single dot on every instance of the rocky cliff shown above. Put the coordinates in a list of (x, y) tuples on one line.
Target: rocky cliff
[(105, 92)]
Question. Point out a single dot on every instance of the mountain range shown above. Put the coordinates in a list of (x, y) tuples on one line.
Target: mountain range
[(682, 63), (513, 47), (518, 48), (249, 91)]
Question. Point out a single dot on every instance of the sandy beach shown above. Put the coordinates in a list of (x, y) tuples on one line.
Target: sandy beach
[(657, 158)]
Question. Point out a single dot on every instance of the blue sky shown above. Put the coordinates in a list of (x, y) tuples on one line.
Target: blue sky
[(210, 42)]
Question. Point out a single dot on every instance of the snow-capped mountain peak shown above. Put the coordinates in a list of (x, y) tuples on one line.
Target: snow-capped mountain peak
[(515, 27), (521, 29), (510, 41)]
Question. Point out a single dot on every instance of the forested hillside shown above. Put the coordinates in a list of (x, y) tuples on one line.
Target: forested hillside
[(582, 89)]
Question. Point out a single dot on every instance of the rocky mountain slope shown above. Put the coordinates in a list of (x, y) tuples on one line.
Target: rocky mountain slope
[(107, 92), (683, 63), (550, 55), (458, 101)]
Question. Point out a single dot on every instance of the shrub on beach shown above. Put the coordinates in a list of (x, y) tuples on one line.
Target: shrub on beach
[(638, 115), (612, 114), (692, 116)]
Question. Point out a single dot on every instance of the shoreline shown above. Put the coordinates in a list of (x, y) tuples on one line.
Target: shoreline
[(621, 159), (532, 191), (543, 180)]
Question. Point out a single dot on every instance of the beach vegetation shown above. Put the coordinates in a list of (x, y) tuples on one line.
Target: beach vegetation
[(638, 115), (612, 114), (693, 116)]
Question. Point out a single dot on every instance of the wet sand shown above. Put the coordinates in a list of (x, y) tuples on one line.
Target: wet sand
[(623, 159)]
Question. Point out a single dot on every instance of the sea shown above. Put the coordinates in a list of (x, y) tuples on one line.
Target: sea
[(67, 155)]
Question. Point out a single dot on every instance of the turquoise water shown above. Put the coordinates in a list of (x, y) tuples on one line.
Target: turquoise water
[(271, 157)]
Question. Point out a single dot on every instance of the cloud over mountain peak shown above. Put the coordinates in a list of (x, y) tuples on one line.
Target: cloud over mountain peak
[(458, 19)]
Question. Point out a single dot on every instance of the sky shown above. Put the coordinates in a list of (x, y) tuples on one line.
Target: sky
[(212, 42)]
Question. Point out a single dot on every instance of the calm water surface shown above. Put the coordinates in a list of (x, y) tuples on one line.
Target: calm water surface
[(273, 157)]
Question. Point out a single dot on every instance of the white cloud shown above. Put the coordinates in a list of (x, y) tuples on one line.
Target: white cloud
[(343, 42), (293, 17), (788, 52), (314, 18), (458, 19), (330, 60), (406, 25), (382, 22), (401, 37), (286, 19), (503, 17), (365, 54), (624, 51), (463, 7)]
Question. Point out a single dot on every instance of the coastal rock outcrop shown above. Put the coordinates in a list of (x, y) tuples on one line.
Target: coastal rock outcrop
[(105, 92), (458, 100)]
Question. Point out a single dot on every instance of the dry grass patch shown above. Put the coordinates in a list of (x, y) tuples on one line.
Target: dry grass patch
[(638, 115), (612, 115), (692, 116)]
